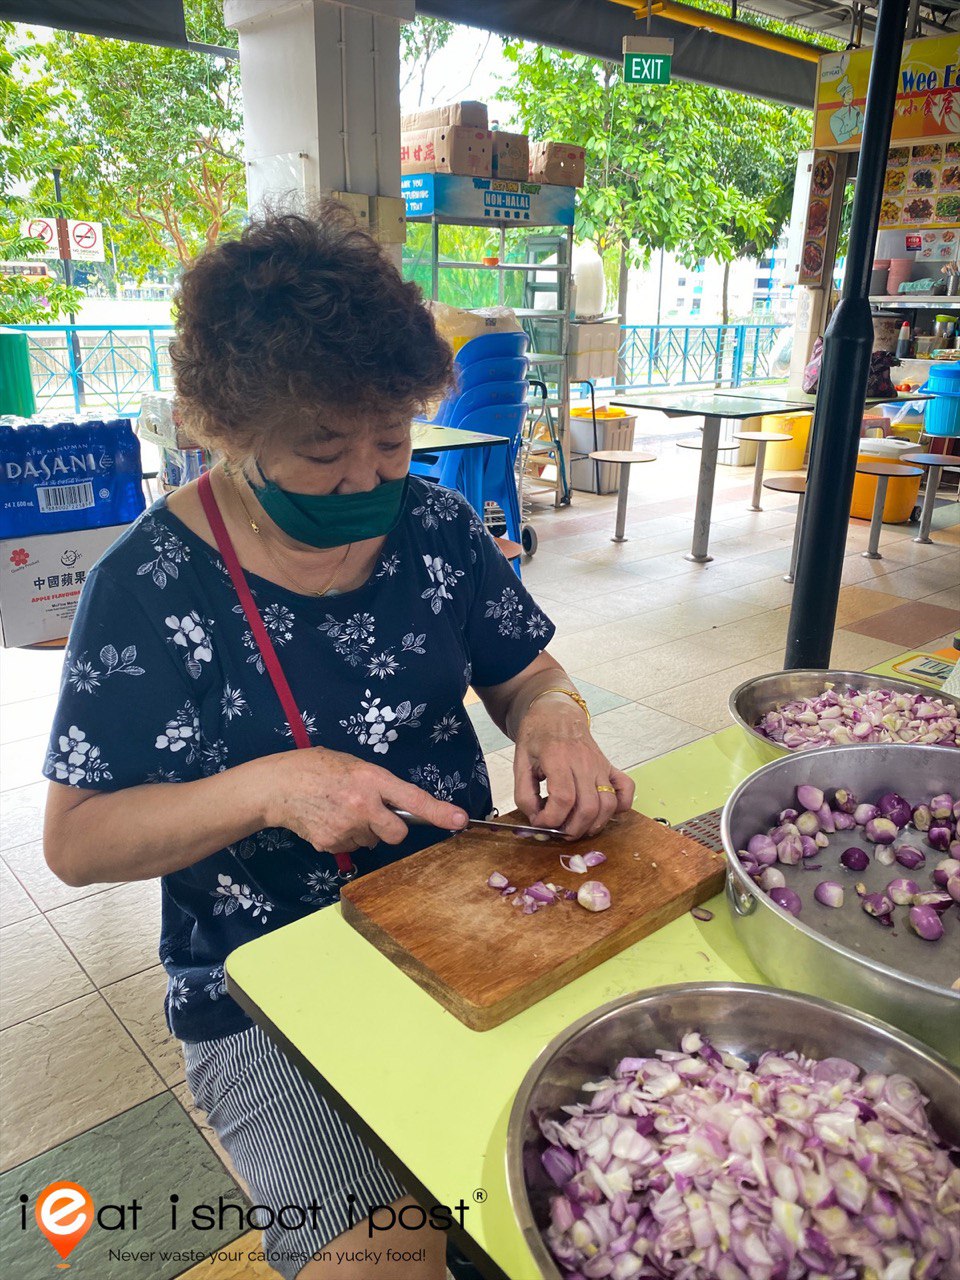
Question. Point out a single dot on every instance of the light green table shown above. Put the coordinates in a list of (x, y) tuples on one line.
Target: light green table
[(431, 1096)]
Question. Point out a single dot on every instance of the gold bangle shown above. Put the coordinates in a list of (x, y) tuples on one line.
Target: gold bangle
[(569, 693)]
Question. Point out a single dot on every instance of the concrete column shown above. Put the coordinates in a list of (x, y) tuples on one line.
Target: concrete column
[(321, 95)]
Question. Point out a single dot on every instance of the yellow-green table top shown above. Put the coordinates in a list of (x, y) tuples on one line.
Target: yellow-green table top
[(437, 1094)]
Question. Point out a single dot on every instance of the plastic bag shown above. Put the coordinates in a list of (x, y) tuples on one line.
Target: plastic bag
[(879, 383), (811, 372)]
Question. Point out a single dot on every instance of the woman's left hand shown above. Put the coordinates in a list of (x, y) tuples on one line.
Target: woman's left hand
[(554, 745)]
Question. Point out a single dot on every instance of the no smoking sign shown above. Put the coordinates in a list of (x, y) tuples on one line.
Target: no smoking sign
[(85, 240)]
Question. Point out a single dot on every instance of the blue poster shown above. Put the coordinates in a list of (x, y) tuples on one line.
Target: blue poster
[(495, 200)]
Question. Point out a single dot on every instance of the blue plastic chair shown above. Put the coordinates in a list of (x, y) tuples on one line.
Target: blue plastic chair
[(501, 369), (485, 396), (492, 346), (498, 420)]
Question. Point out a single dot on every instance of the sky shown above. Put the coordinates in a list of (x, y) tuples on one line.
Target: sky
[(470, 66)]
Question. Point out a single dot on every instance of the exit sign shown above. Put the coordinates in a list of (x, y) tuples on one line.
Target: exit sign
[(646, 60)]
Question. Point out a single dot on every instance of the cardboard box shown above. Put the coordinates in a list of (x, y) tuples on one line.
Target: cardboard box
[(471, 114), (560, 164), (455, 149), (41, 578), (511, 156)]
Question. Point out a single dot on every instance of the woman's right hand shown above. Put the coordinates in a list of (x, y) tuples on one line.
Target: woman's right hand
[(339, 803)]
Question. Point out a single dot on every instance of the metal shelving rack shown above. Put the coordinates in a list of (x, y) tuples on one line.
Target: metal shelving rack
[(548, 367)]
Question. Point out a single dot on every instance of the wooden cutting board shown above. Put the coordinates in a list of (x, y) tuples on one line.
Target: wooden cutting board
[(433, 915)]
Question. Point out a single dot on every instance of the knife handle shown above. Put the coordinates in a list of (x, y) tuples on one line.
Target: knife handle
[(411, 819)]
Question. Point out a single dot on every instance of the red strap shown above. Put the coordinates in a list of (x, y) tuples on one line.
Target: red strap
[(267, 651)]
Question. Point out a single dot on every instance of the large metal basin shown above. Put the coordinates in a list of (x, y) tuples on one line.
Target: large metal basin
[(845, 955), (737, 1017), (751, 700)]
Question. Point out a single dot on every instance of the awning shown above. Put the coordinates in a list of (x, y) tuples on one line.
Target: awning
[(143, 21)]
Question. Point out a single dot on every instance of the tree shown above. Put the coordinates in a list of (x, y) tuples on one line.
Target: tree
[(26, 98), (420, 41), (754, 149), (157, 140), (652, 178)]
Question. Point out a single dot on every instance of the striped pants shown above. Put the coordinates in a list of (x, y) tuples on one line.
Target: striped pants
[(287, 1144)]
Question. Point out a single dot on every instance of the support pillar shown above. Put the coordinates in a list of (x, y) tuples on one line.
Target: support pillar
[(321, 99)]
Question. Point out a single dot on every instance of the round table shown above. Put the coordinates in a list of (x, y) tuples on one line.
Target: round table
[(761, 439), (883, 471), (624, 459), (934, 462), (797, 485)]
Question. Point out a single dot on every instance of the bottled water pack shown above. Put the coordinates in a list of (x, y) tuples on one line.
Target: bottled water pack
[(69, 476)]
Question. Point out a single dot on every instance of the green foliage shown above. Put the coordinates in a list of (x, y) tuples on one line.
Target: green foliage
[(147, 138), (682, 167), (26, 96)]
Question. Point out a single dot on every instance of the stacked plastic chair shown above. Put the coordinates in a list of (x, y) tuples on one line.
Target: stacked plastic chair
[(491, 398)]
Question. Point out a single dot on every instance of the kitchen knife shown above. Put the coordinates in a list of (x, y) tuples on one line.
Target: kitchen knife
[(511, 828)]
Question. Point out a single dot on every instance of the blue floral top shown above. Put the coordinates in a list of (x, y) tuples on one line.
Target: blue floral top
[(163, 682)]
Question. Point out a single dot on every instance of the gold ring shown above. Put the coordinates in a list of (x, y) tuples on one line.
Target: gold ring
[(612, 790)]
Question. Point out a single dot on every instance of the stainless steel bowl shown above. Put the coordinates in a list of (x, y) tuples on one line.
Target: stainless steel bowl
[(737, 1017), (844, 954), (751, 700)]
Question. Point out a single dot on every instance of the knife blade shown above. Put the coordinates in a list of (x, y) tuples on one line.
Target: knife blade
[(515, 829)]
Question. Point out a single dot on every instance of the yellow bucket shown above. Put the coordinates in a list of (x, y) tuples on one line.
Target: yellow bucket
[(789, 454), (902, 494)]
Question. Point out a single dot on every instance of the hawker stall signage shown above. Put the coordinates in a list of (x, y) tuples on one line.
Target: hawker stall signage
[(928, 94), (448, 195), (646, 60)]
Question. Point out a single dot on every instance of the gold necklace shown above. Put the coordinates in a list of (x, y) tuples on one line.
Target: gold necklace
[(264, 542)]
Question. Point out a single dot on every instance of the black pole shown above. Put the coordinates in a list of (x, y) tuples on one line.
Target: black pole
[(68, 281), (847, 345)]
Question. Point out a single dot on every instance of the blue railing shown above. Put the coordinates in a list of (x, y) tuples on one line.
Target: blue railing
[(91, 369), (690, 355)]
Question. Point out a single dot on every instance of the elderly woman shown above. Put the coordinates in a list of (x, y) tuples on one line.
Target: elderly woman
[(307, 593)]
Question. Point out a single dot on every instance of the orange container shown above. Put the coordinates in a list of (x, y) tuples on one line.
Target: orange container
[(902, 494)]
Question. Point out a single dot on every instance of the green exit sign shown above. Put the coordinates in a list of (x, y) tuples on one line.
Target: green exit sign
[(646, 60)]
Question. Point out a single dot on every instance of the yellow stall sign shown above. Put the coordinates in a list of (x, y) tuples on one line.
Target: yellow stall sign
[(928, 94)]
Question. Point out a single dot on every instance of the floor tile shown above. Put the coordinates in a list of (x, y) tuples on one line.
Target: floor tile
[(235, 1260), (26, 719), (15, 903), (949, 599), (490, 737), (908, 624), (28, 864), (632, 733), (856, 603), (500, 768), (664, 667), (150, 1152), (704, 701), (599, 700), (21, 815), (39, 973), (29, 673), (610, 640), (852, 652), (920, 581), (113, 934), (22, 762), (64, 1072), (138, 1003)]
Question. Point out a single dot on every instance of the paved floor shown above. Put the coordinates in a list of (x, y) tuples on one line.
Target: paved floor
[(94, 1086)]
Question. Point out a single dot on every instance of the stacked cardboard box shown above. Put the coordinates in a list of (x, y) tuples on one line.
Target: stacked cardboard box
[(594, 350), (559, 164), (452, 149), (511, 156)]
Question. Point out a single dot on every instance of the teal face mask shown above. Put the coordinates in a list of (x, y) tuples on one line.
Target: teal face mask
[(332, 519)]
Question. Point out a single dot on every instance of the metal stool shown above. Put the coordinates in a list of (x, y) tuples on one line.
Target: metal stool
[(624, 459), (797, 485), (883, 471), (761, 439), (934, 462)]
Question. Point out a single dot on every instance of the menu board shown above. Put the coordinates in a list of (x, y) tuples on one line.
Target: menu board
[(819, 206), (921, 186)]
